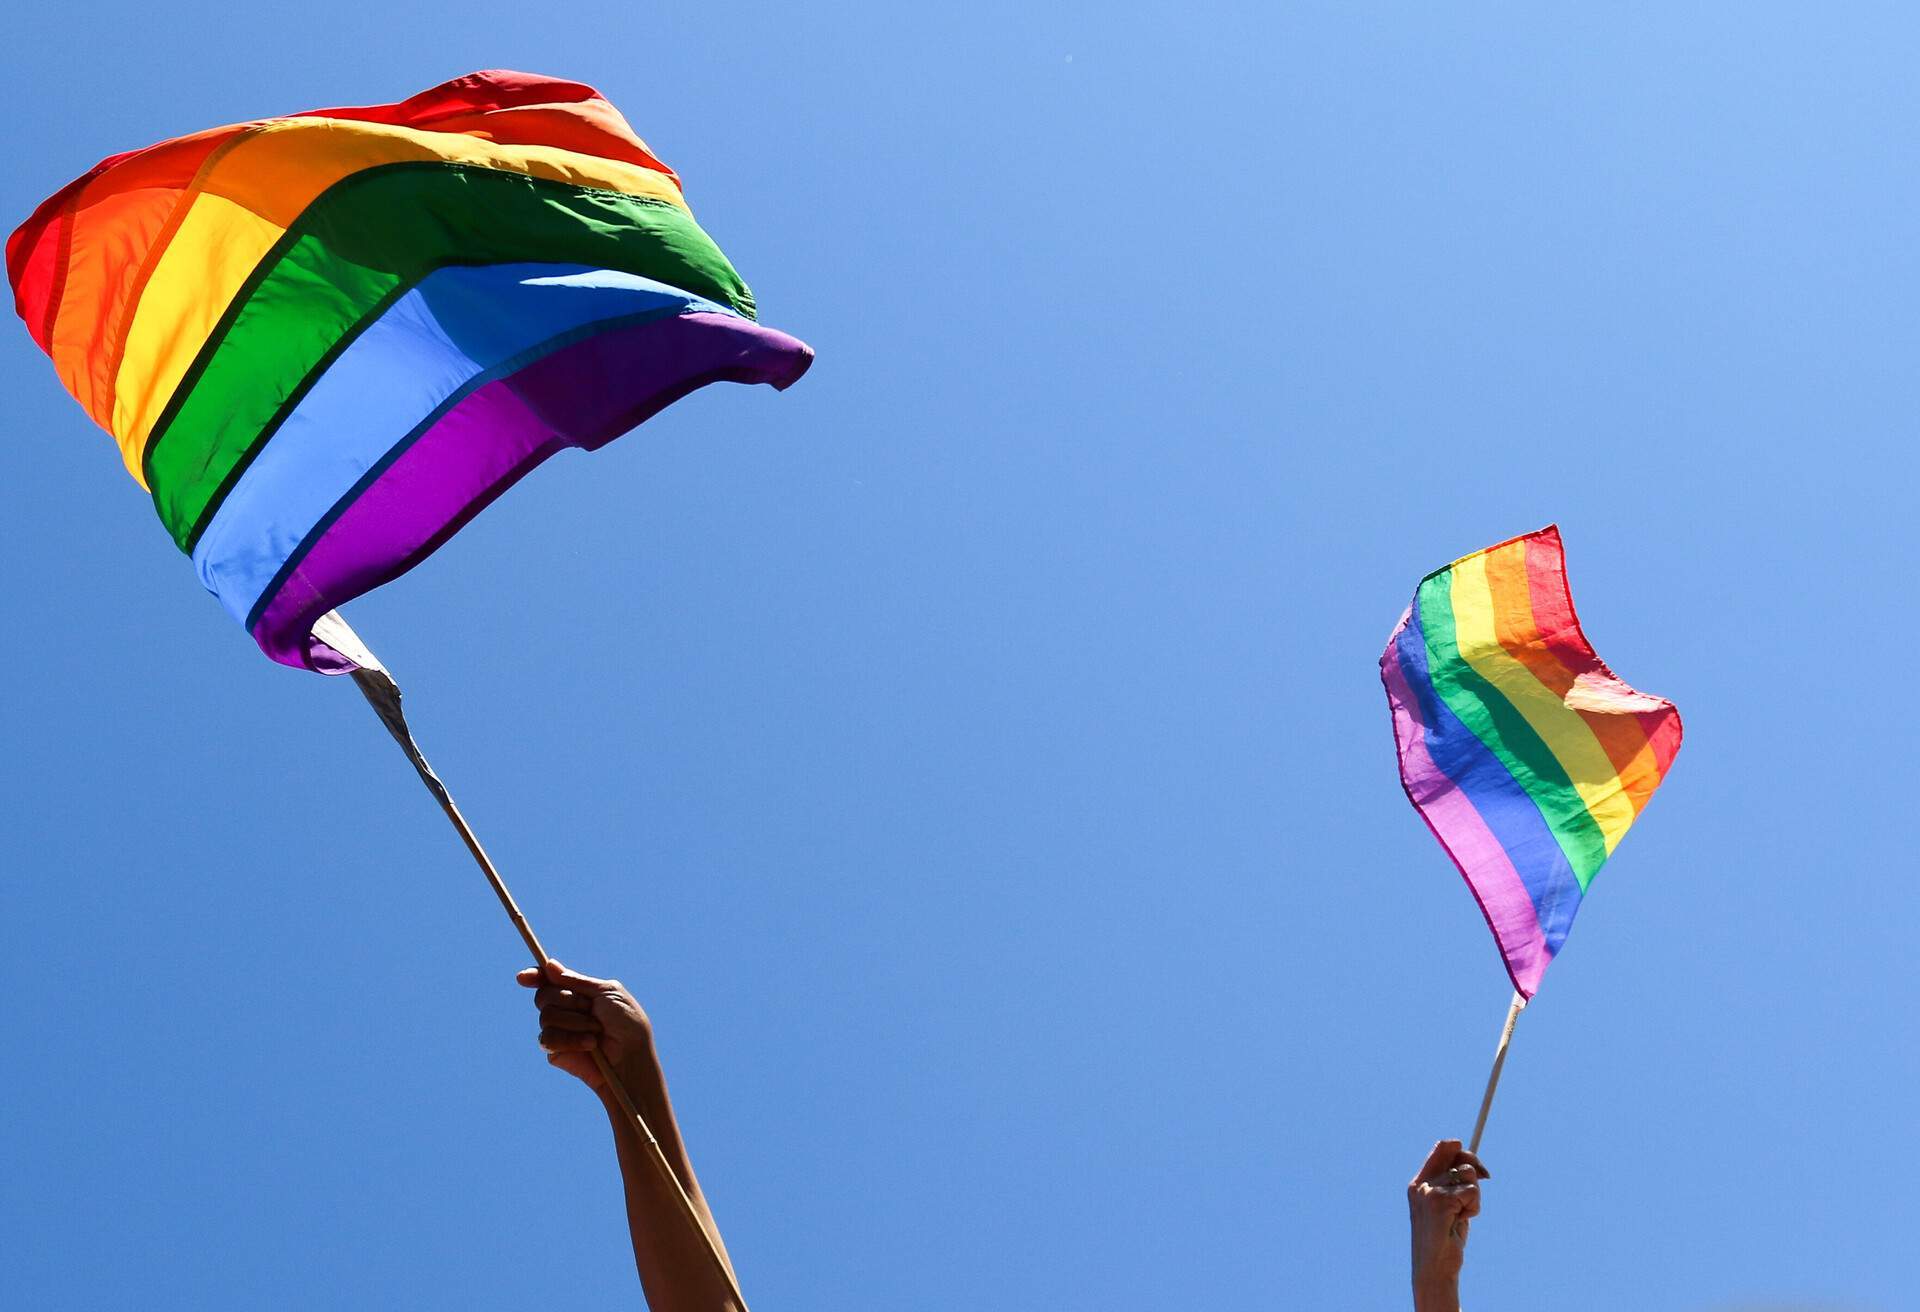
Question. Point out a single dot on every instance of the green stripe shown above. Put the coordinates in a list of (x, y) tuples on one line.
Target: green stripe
[(1498, 723), (360, 244)]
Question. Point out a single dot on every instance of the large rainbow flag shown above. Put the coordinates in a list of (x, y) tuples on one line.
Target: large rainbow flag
[(1527, 756), (325, 341)]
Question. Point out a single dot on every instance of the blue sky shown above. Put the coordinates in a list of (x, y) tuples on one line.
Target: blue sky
[(974, 757)]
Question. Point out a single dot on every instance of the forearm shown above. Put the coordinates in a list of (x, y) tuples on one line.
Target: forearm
[(677, 1271), (1436, 1293)]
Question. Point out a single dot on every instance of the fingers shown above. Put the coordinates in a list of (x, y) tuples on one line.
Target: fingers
[(1450, 1164), (565, 999), (548, 998), (573, 1022), (1448, 1185), (570, 1032), (555, 1041), (1444, 1205), (566, 1021), (1444, 1154)]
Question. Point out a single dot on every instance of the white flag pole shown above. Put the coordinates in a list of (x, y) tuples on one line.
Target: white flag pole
[(1493, 1079)]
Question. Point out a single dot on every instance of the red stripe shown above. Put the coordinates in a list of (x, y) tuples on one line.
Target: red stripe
[(513, 103), (31, 264), (1559, 625)]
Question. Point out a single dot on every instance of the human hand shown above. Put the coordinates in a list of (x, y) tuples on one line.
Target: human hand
[(580, 1014), (1442, 1199)]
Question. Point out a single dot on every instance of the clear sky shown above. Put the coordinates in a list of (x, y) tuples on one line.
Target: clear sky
[(974, 757)]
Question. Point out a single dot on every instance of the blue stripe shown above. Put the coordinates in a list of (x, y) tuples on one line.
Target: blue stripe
[(1510, 813), (456, 326)]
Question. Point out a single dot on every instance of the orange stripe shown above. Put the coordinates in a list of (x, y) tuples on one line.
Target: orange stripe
[(97, 275)]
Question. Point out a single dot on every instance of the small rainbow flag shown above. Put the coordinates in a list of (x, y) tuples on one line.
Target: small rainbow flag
[(1527, 756)]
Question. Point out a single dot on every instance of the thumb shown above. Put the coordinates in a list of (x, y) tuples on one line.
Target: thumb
[(573, 979)]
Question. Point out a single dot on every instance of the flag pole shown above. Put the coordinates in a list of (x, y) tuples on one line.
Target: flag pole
[(383, 694), (1493, 1078)]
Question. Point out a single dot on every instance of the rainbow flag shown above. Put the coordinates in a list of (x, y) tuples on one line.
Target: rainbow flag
[(1528, 758), (323, 342)]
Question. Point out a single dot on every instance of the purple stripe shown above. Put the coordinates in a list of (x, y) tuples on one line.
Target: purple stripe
[(1462, 831), (1506, 806), (457, 330), (585, 395)]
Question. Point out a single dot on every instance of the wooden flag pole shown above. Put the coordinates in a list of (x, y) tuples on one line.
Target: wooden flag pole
[(383, 694), (1493, 1078)]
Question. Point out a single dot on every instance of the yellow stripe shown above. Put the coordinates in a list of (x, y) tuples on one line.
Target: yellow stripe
[(248, 201), (175, 313), (1566, 735)]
